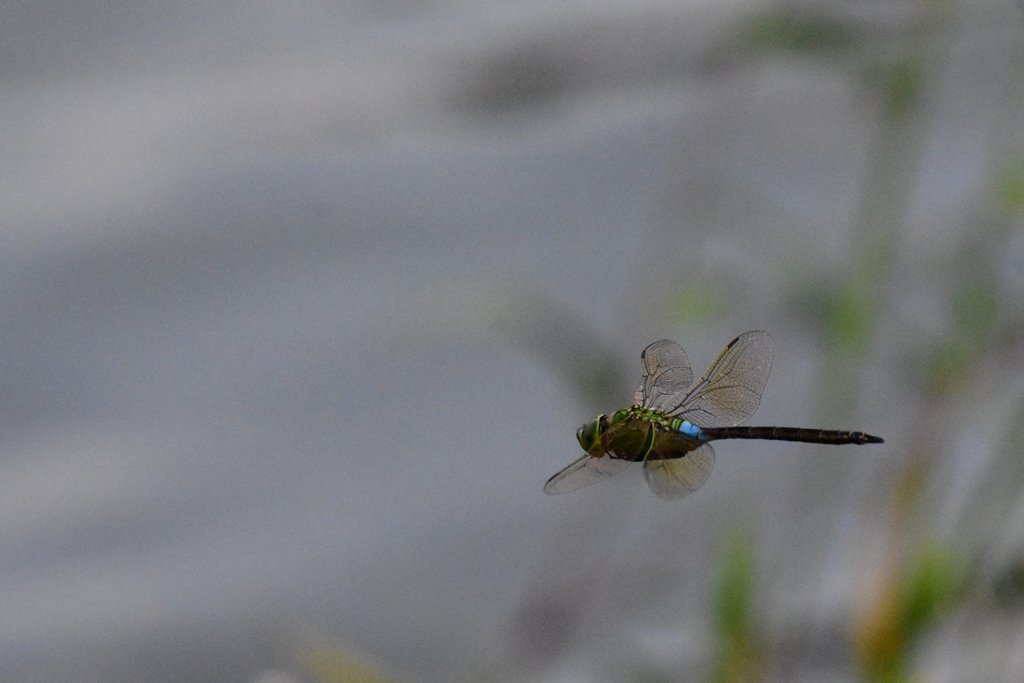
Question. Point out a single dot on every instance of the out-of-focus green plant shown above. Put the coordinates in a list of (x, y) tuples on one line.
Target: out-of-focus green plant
[(949, 366), (742, 656), (791, 32), (696, 303), (850, 315), (1010, 189), (324, 663), (903, 84), (975, 305), (908, 601), (976, 315)]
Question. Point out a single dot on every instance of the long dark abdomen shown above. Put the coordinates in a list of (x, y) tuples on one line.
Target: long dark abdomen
[(791, 434)]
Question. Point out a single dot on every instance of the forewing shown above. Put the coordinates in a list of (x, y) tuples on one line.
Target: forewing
[(584, 472), (675, 477), (666, 375), (730, 390)]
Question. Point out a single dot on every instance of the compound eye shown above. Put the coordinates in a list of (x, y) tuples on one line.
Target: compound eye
[(584, 437), (589, 433)]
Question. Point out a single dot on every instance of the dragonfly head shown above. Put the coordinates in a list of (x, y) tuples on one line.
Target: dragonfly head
[(589, 434)]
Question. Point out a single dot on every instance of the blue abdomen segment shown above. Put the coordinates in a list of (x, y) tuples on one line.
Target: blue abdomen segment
[(690, 430)]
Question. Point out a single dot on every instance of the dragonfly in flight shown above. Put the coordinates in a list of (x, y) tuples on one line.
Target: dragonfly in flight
[(672, 420)]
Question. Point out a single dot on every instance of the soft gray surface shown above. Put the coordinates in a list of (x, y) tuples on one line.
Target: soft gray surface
[(299, 299)]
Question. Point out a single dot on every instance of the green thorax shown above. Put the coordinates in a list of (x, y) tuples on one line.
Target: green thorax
[(645, 414), (635, 433)]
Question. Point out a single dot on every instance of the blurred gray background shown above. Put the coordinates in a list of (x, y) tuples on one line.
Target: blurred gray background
[(303, 301)]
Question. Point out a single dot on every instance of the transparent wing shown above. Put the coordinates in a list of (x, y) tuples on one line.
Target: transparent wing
[(666, 376), (584, 472), (675, 477), (730, 390)]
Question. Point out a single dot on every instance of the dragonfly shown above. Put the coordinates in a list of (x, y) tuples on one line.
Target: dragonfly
[(673, 419)]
